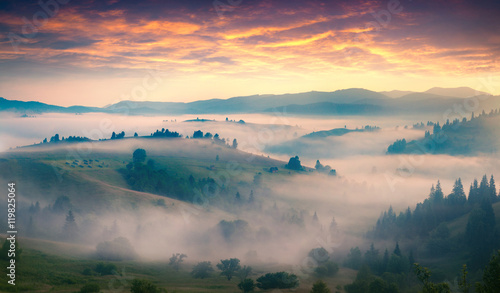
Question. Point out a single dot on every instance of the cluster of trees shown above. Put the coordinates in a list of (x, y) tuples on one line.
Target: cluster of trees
[(241, 121), (232, 230), (366, 282), (390, 266), (371, 128), (56, 139), (148, 178), (459, 136), (325, 169), (165, 133), (230, 268), (429, 219), (176, 260), (398, 147), (294, 164), (325, 266), (118, 136), (198, 134), (144, 175), (490, 282)]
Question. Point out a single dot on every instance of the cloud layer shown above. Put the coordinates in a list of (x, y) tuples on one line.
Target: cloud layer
[(274, 45)]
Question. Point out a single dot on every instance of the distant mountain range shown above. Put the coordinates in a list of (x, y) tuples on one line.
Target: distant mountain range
[(353, 101)]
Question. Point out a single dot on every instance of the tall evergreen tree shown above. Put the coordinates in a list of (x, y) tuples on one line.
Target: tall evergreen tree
[(474, 196), (70, 230), (484, 188), (480, 232), (397, 251), (457, 196), (315, 218), (438, 193), (385, 260), (493, 190)]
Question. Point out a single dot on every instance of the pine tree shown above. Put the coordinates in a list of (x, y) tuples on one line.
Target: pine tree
[(70, 230), (385, 260), (251, 198), (397, 251), (474, 196), (493, 190), (320, 287), (438, 193), (457, 196), (411, 258), (315, 218), (484, 188), (333, 226)]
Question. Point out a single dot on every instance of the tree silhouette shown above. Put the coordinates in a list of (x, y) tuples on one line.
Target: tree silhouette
[(176, 260), (491, 279), (294, 164), (247, 285), (229, 267), (202, 270), (70, 230), (139, 156), (320, 287), (198, 134)]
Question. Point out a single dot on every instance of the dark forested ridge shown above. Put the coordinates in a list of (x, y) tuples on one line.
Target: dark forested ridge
[(450, 225), (445, 232), (459, 137)]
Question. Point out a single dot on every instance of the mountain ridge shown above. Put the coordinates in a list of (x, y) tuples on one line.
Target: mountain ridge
[(352, 101)]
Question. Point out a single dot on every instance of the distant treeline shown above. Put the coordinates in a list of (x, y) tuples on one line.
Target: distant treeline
[(163, 133), (459, 137)]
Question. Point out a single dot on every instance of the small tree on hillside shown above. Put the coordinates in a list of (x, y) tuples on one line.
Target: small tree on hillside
[(139, 156), (247, 285), (202, 270), (491, 279), (244, 272), (70, 230), (424, 275), (143, 286), (320, 287), (229, 267), (198, 134), (279, 280), (294, 164), (176, 260)]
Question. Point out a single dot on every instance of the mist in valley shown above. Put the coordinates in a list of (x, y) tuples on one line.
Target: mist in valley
[(368, 182)]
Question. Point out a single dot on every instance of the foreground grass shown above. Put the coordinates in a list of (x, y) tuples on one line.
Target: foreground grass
[(39, 269)]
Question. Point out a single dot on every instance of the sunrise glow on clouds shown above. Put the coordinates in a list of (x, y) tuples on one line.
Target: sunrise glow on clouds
[(97, 52)]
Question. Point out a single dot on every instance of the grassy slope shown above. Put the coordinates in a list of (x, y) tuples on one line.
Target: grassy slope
[(42, 172)]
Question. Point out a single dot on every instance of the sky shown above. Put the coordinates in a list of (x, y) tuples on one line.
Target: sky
[(95, 53)]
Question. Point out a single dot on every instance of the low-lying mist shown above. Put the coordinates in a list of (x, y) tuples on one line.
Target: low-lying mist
[(277, 227)]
